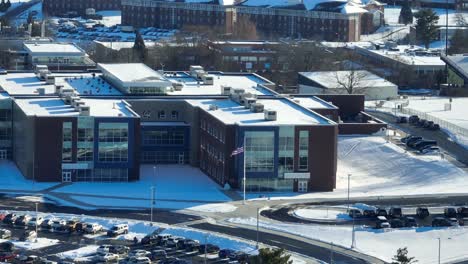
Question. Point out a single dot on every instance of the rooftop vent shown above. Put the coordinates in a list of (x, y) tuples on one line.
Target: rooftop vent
[(40, 91), (257, 108), (207, 80), (249, 101), (84, 110), (58, 88), (177, 86), (213, 107), (226, 90), (270, 115)]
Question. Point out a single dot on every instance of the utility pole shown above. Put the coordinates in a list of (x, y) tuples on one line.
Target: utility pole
[(37, 235), (439, 251), (258, 213), (353, 234), (349, 176), (152, 202)]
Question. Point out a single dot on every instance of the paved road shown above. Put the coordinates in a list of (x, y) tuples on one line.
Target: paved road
[(443, 140)]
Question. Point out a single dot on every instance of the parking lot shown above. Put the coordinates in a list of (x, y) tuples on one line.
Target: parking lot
[(61, 240)]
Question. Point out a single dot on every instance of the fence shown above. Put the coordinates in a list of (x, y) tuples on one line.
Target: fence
[(459, 131)]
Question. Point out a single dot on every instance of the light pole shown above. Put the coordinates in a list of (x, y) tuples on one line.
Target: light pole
[(258, 213), (439, 251), (37, 235), (331, 253), (206, 243), (353, 234), (152, 201), (349, 176)]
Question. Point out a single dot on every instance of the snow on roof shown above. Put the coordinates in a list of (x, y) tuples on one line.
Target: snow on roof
[(41, 47), (347, 7), (131, 72), (352, 9), (313, 103), (460, 62), (23, 83), (288, 113), (118, 45), (57, 107), (329, 79), (249, 82)]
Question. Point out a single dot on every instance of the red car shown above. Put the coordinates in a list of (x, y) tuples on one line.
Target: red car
[(2, 216), (6, 256)]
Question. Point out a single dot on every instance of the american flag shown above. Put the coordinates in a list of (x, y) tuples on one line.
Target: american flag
[(237, 151)]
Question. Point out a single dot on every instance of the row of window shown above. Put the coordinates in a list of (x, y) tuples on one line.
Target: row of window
[(212, 151), (5, 133), (102, 175), (5, 115), (164, 137), (213, 130), (165, 157)]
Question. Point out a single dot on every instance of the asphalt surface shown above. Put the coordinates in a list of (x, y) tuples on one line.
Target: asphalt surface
[(287, 243)]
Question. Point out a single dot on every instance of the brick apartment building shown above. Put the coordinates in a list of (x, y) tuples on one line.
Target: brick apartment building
[(60, 7)]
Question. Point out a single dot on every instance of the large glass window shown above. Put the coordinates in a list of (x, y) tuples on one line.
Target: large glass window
[(113, 142), (164, 137), (5, 115), (67, 135), (259, 151), (286, 150), (5, 133), (85, 144), (304, 150)]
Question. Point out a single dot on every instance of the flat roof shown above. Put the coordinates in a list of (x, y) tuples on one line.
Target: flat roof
[(131, 72), (248, 82), (57, 107), (54, 47), (403, 54), (288, 113), (459, 62), (329, 79), (313, 103)]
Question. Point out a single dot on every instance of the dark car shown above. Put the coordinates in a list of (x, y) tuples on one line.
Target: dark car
[(397, 223), (450, 212), (149, 239), (412, 140), (381, 212), (210, 248), (462, 211), (413, 119), (10, 218), (428, 124), (7, 256), (80, 226), (224, 253), (424, 143), (22, 220), (410, 221), (441, 222), (354, 213), (401, 120), (421, 122), (158, 254), (7, 246), (368, 213), (119, 249), (404, 139), (239, 256), (434, 127), (422, 212), (395, 212)]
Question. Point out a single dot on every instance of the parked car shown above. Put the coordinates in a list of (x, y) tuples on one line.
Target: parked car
[(103, 249), (2, 217), (430, 150), (139, 260), (210, 248), (7, 246), (368, 213), (47, 224), (381, 212), (149, 239), (239, 256), (224, 253), (80, 226), (119, 249), (412, 140), (28, 259), (441, 222), (401, 119), (428, 124), (10, 218), (462, 211), (355, 213), (434, 127), (35, 221), (397, 223), (139, 253), (107, 257), (158, 254), (420, 122), (57, 224), (413, 119), (118, 230), (424, 143), (93, 228), (422, 212), (5, 233), (22, 220), (188, 244), (28, 235), (395, 212), (450, 212), (454, 221), (382, 222), (7, 256), (410, 221), (70, 226)]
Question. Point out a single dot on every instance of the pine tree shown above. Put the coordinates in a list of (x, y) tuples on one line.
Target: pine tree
[(8, 4), (402, 257), (406, 14), (30, 18), (267, 255), (3, 6), (426, 26), (458, 42), (139, 46)]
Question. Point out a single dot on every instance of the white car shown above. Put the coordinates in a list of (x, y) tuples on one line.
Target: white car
[(57, 223), (139, 253), (103, 249), (35, 221), (107, 257), (138, 260), (93, 228)]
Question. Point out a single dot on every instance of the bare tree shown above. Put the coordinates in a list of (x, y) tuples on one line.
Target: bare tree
[(351, 81), (460, 19)]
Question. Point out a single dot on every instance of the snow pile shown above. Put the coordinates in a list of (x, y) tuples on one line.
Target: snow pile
[(41, 243), (321, 214), (422, 242), (110, 17), (214, 208), (78, 253)]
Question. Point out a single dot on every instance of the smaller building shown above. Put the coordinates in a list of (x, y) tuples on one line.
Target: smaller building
[(347, 82), (135, 78), (57, 56), (457, 81)]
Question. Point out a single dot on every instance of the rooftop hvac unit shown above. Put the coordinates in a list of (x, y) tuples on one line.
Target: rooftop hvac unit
[(41, 91), (197, 71), (238, 91), (207, 80), (213, 107), (226, 90), (67, 92), (270, 115), (77, 103), (50, 79), (58, 88), (257, 107), (178, 86), (248, 95), (249, 101), (84, 110)]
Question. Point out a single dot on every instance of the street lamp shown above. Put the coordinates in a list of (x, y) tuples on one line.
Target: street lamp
[(440, 247), (258, 213), (152, 189), (37, 235), (349, 176)]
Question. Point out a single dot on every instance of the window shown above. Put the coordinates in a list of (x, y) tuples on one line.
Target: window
[(304, 150), (175, 115), (164, 137), (5, 115), (161, 114), (85, 134), (113, 142), (67, 154), (5, 133), (84, 154), (259, 151), (67, 131)]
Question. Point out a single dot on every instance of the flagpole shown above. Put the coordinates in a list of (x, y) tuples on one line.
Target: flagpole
[(243, 202)]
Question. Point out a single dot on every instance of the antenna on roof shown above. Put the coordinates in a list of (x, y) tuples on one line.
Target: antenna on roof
[(113, 105)]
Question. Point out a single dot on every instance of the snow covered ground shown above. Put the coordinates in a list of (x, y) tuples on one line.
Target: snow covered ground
[(171, 182), (392, 14), (12, 179), (378, 168), (422, 242), (41, 243), (110, 17)]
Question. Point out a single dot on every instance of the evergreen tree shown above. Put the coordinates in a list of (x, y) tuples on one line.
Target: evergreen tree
[(406, 14), (8, 4), (139, 46), (30, 18), (3, 6), (426, 26), (402, 257), (267, 255), (458, 42)]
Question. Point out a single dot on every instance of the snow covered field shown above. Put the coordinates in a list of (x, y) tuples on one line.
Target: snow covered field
[(392, 13), (378, 168), (422, 242)]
